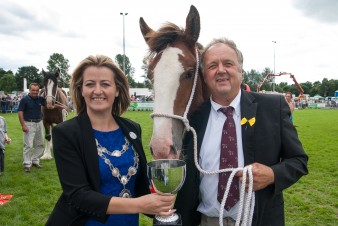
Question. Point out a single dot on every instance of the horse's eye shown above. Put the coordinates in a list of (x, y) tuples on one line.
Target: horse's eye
[(188, 74)]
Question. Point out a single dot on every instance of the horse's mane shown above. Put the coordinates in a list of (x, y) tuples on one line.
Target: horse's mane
[(166, 34), (51, 76)]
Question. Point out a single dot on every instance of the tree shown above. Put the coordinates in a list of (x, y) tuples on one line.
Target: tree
[(253, 78), (315, 89), (7, 83), (307, 86), (2, 72), (31, 73), (58, 61), (283, 86), (129, 70), (294, 89), (147, 82), (331, 87), (324, 88)]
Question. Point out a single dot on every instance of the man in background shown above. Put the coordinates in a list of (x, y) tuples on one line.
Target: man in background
[(30, 116)]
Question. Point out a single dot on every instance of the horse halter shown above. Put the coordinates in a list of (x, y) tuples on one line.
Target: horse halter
[(183, 118), (53, 97), (247, 201)]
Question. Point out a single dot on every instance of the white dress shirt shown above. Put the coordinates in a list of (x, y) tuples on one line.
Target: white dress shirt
[(210, 155)]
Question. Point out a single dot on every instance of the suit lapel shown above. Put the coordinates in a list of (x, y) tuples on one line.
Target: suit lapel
[(90, 150), (200, 121), (248, 111)]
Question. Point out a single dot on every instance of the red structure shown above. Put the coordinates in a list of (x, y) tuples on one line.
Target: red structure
[(301, 91)]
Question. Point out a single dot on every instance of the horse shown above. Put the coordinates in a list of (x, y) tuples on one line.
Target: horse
[(177, 81), (54, 111)]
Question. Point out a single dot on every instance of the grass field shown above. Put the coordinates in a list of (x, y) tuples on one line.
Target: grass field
[(311, 201)]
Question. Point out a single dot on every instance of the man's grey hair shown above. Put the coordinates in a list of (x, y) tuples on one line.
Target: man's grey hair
[(227, 42)]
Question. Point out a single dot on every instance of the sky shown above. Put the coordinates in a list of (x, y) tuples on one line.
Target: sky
[(294, 36)]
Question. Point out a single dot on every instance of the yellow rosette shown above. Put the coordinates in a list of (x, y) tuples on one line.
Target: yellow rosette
[(250, 121), (243, 121)]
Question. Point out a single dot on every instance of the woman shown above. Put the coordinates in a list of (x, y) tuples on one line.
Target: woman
[(99, 155), (288, 98)]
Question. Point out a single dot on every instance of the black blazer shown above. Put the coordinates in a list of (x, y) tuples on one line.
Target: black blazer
[(272, 141), (77, 165)]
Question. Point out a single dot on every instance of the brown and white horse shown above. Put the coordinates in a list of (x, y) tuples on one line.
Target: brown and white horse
[(52, 114), (178, 85)]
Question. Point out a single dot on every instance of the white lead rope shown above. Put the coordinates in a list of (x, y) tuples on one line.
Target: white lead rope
[(247, 201), (249, 198)]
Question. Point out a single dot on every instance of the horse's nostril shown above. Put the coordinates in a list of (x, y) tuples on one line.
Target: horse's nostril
[(173, 150)]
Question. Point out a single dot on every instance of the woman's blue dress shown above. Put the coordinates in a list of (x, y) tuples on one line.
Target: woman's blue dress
[(110, 185)]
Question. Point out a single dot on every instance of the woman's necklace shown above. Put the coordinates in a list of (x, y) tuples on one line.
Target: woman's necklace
[(124, 179), (115, 153)]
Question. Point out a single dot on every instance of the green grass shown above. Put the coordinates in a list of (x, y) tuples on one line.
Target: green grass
[(311, 201)]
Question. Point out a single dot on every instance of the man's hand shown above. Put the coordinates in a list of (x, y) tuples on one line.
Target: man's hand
[(262, 176), (25, 128)]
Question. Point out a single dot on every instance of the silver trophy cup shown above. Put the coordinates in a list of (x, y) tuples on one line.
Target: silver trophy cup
[(167, 177)]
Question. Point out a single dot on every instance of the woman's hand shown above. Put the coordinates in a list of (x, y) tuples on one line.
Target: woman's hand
[(157, 204)]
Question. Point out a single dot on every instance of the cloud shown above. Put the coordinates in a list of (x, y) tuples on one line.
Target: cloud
[(30, 31), (18, 20), (321, 10)]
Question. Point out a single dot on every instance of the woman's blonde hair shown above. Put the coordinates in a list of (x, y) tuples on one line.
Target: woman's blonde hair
[(121, 102)]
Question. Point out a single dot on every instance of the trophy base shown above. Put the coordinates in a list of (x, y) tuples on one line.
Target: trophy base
[(177, 222)]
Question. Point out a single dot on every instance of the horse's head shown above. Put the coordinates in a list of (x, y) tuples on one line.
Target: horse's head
[(50, 83), (172, 68)]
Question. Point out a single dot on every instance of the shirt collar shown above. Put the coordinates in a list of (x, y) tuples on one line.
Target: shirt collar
[(235, 104)]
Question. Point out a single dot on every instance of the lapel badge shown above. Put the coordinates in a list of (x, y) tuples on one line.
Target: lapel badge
[(132, 135)]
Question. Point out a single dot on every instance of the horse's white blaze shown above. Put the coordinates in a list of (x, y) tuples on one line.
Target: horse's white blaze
[(49, 96), (166, 83)]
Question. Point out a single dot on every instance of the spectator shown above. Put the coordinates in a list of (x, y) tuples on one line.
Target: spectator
[(3, 104), (29, 113), (4, 139), (288, 98)]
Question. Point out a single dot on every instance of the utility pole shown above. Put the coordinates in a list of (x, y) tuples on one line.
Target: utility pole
[(124, 46), (274, 65)]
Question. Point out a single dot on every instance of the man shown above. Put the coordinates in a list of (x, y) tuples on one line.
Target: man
[(265, 139), (30, 116)]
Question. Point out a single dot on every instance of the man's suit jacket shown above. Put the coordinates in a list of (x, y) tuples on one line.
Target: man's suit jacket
[(77, 164), (272, 141)]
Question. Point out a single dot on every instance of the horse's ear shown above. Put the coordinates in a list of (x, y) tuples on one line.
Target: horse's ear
[(57, 72), (43, 72), (145, 29), (193, 26)]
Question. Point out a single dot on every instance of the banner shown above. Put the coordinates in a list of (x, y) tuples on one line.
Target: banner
[(141, 106)]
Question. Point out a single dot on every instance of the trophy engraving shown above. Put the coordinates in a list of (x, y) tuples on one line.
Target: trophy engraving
[(167, 177)]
